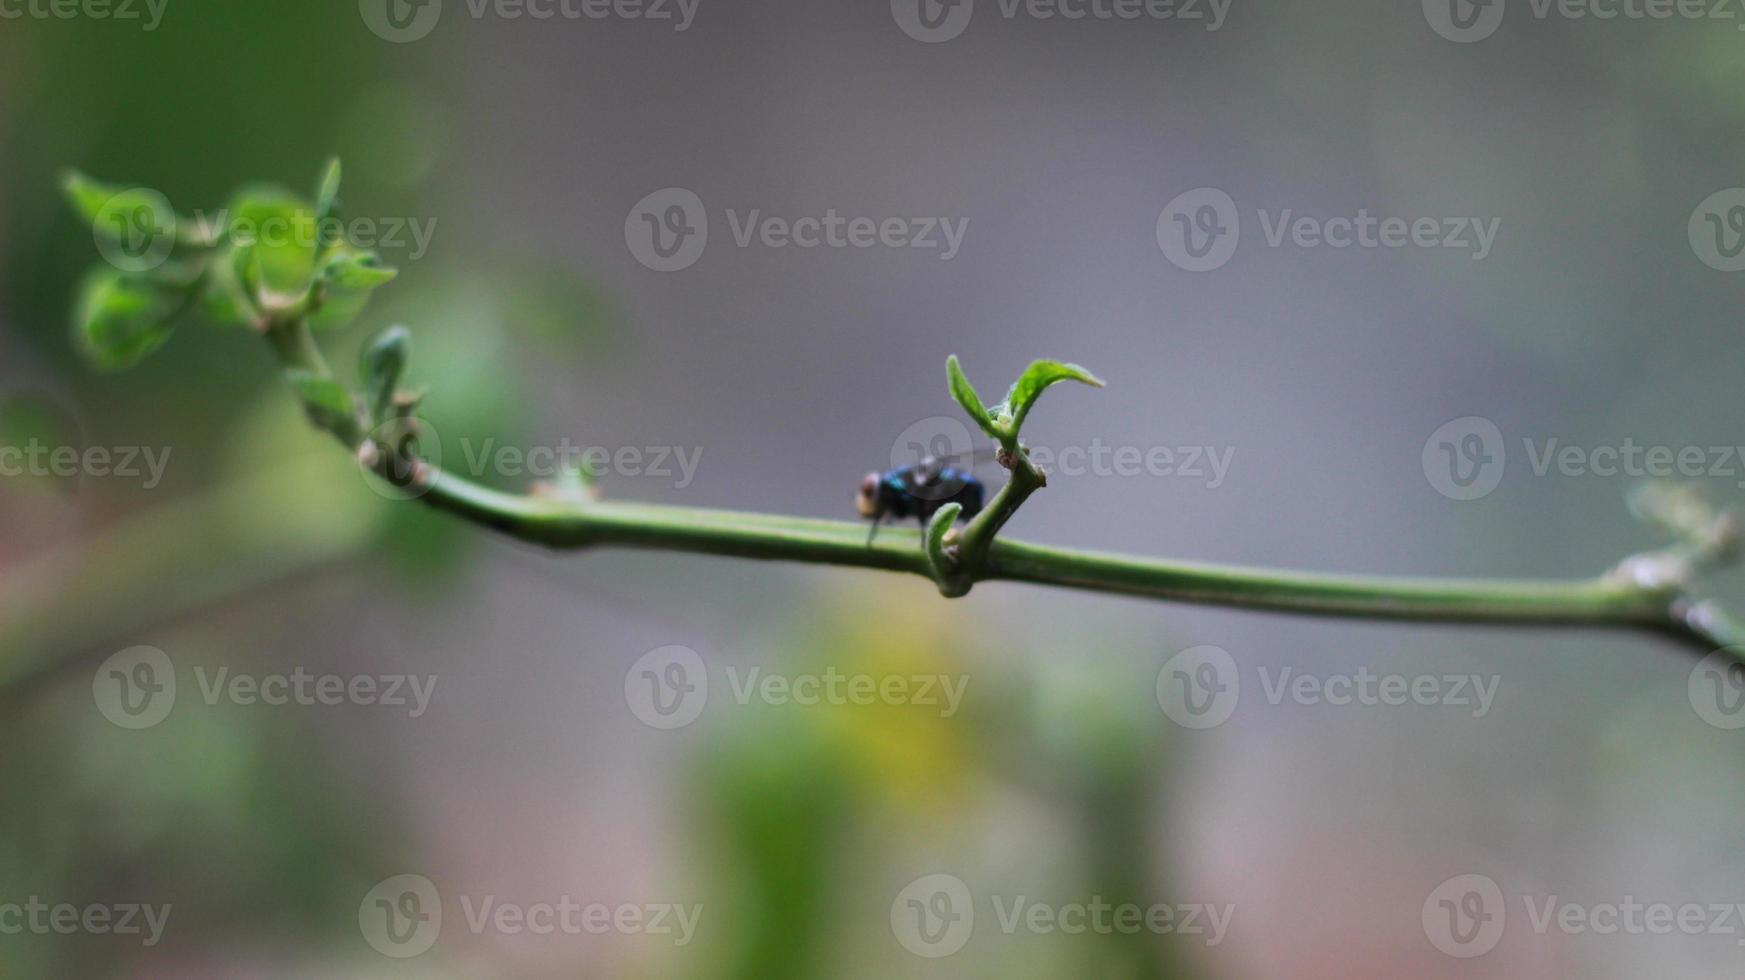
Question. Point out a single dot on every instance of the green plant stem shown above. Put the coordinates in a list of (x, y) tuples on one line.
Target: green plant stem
[(294, 343), (1614, 600), (979, 535), (1605, 601)]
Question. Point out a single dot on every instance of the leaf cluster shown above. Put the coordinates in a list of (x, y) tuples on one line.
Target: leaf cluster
[(268, 256)]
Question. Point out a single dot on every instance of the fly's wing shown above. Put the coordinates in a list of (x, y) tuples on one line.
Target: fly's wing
[(933, 483), (929, 469)]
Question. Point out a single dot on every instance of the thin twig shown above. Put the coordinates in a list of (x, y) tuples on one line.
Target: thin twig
[(1649, 592), (1623, 598)]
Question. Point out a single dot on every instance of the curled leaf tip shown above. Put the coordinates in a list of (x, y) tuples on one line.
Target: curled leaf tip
[(941, 561), (966, 397), (1036, 379)]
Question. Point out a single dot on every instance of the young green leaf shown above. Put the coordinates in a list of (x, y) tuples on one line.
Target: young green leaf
[(1036, 379), (120, 319), (384, 362), (245, 267), (941, 562), (223, 300), (965, 395), (327, 194), (86, 195), (329, 405), (118, 213), (278, 230), (350, 269), (337, 310), (348, 277), (939, 526)]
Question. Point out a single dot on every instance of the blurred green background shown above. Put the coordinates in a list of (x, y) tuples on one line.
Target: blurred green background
[(524, 143)]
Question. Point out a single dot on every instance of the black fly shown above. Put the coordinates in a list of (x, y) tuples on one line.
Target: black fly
[(917, 491)]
